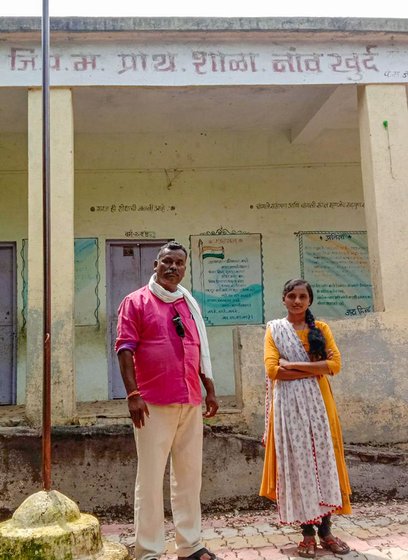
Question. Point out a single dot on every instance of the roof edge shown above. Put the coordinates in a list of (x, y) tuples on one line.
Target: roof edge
[(203, 24)]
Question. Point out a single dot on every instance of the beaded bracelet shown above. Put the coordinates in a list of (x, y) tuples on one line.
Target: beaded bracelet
[(135, 393)]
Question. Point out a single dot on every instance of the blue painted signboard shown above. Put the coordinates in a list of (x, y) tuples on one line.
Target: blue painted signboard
[(337, 266), (227, 278), (86, 281)]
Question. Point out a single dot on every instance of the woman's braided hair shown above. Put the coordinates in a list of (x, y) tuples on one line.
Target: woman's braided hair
[(317, 342)]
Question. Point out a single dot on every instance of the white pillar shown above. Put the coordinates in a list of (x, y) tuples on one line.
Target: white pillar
[(383, 119), (62, 259)]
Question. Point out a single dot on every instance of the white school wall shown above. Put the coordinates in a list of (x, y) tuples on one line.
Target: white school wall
[(220, 178)]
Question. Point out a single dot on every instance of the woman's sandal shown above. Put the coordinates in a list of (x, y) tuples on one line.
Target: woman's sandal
[(336, 545), (307, 547)]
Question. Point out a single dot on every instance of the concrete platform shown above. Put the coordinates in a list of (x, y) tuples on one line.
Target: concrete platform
[(86, 461)]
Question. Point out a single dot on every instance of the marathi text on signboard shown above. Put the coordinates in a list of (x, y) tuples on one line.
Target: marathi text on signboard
[(227, 278), (179, 64), (337, 266)]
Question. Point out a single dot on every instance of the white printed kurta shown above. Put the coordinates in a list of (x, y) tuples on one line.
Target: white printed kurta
[(308, 483)]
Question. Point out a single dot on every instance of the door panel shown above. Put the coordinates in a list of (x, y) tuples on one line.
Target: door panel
[(7, 323), (130, 266)]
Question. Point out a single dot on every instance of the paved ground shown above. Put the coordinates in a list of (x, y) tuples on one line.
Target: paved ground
[(374, 531)]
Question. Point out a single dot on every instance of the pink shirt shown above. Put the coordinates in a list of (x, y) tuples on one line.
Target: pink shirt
[(167, 366)]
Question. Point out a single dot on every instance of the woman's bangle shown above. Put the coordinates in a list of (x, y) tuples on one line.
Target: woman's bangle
[(135, 393)]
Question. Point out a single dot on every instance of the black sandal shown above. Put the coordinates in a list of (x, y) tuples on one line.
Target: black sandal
[(198, 554)]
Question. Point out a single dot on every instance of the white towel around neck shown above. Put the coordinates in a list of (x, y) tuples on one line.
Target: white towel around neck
[(171, 297)]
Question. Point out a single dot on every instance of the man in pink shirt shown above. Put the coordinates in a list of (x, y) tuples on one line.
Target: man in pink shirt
[(163, 353)]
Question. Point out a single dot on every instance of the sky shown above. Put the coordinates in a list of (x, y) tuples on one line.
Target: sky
[(208, 8)]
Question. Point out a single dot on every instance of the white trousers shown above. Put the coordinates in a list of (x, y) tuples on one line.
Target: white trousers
[(176, 430)]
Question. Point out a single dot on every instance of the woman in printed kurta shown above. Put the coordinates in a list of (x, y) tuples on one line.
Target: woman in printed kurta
[(304, 468)]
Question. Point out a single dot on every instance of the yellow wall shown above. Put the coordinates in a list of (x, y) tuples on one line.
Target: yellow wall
[(384, 147), (222, 174), (13, 226), (370, 392)]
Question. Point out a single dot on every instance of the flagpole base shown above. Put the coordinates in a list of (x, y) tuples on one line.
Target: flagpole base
[(49, 526)]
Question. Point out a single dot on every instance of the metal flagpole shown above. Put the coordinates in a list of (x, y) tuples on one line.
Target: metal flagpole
[(46, 419)]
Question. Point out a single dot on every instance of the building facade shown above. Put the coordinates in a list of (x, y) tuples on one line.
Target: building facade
[(270, 148)]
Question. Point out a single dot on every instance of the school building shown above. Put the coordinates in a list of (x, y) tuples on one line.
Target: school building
[(271, 148)]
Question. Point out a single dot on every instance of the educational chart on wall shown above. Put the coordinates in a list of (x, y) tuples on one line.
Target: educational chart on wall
[(337, 266), (227, 278), (86, 281)]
